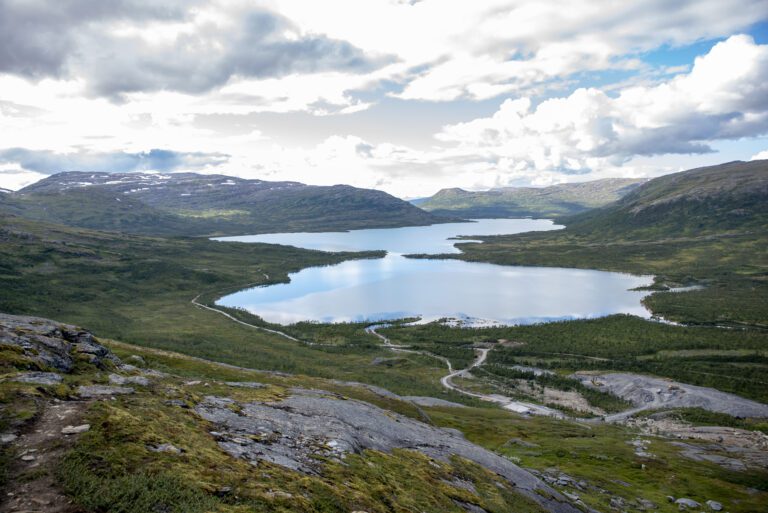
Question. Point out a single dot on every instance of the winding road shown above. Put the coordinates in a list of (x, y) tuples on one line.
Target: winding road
[(447, 380), (231, 318)]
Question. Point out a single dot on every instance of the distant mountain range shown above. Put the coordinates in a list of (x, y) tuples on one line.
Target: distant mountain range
[(554, 201), (194, 204)]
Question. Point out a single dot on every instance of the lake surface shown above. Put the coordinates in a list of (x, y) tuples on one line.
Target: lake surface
[(394, 287)]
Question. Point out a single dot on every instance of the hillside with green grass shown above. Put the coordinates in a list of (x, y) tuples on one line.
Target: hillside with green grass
[(553, 201), (189, 204)]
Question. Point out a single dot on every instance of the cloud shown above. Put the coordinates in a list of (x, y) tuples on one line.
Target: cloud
[(725, 96), (37, 38), (763, 155), (15, 178), (138, 46), (48, 162), (480, 50)]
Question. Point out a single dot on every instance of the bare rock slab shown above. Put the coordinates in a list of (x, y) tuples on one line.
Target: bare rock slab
[(647, 392), (309, 426), (117, 379), (75, 430), (95, 391), (39, 378)]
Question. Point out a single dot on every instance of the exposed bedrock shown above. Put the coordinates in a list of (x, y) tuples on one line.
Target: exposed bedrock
[(312, 424)]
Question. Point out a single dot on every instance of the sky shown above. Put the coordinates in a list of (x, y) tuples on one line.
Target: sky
[(403, 96)]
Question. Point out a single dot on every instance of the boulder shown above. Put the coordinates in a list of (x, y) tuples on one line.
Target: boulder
[(7, 438), (136, 360), (48, 344), (714, 505), (165, 448), (684, 503)]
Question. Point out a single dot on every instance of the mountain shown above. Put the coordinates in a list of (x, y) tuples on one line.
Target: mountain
[(194, 204), (717, 198), (557, 200)]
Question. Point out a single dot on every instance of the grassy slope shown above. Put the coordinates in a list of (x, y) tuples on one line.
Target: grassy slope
[(112, 468), (557, 200)]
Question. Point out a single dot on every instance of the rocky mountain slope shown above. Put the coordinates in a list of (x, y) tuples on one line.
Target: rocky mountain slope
[(557, 200), (141, 438), (193, 204)]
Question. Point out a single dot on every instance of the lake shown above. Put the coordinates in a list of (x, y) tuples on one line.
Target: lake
[(395, 287)]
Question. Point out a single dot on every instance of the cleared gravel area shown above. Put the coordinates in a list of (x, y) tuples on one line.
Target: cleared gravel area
[(647, 392)]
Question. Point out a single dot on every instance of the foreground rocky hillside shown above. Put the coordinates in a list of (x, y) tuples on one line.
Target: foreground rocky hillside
[(93, 425), (193, 204), (137, 439)]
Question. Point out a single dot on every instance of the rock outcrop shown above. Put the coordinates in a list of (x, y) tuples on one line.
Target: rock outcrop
[(49, 345), (311, 425)]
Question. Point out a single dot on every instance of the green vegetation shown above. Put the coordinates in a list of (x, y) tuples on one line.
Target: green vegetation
[(139, 289), (113, 469), (554, 201), (706, 228), (602, 456)]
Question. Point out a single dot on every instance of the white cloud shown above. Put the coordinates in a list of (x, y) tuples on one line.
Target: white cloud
[(763, 155), (454, 49), (15, 178), (724, 96)]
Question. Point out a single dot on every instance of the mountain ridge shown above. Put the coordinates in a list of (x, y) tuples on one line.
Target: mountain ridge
[(191, 204), (552, 201)]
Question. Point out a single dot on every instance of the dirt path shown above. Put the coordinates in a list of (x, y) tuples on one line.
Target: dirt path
[(31, 486), (231, 318), (447, 380)]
